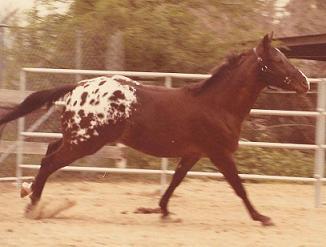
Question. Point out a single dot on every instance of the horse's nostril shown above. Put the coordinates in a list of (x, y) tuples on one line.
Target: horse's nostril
[(306, 85)]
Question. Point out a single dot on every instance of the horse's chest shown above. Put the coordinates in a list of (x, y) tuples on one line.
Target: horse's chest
[(94, 104)]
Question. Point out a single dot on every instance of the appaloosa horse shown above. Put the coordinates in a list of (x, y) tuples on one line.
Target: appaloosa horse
[(199, 120)]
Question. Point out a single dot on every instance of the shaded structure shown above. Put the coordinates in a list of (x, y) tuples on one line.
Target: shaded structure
[(310, 47)]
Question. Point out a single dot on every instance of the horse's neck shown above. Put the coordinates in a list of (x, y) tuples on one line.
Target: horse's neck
[(240, 91), (246, 96)]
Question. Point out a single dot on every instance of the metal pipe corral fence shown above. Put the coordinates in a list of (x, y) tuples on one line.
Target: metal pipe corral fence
[(319, 146)]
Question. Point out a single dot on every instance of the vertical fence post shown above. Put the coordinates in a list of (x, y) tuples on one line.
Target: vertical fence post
[(2, 54), (165, 161), (78, 53), (20, 128), (320, 141)]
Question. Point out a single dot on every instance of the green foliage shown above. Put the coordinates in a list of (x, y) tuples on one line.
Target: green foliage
[(280, 162), (178, 36), (160, 35), (166, 38)]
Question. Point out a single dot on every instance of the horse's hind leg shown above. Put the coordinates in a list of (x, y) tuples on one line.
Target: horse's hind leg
[(183, 167), (61, 157), (52, 147)]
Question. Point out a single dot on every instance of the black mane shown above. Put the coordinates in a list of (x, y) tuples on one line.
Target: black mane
[(218, 73)]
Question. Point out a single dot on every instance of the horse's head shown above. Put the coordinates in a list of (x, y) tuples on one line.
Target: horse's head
[(276, 70)]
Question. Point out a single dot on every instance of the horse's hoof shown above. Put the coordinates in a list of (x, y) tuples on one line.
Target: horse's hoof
[(29, 207), (164, 213), (142, 210), (264, 220), (30, 210), (165, 217), (169, 219), (26, 189), (267, 222)]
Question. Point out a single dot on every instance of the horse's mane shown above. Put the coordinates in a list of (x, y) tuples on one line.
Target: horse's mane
[(218, 73)]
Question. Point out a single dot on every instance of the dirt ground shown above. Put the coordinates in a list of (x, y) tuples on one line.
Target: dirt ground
[(207, 213)]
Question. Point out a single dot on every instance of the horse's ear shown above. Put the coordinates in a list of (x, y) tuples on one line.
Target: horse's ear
[(265, 43), (270, 35)]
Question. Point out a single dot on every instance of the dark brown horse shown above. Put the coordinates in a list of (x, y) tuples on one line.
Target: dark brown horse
[(200, 120), (3, 111)]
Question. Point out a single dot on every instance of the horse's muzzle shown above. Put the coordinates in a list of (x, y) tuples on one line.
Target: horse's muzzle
[(302, 87), (303, 84)]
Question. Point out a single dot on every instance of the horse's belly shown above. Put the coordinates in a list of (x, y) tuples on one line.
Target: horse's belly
[(162, 148)]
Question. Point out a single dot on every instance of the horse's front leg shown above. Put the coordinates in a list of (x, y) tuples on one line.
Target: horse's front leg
[(183, 167), (225, 163)]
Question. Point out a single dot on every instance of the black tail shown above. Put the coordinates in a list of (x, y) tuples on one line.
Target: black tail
[(35, 101)]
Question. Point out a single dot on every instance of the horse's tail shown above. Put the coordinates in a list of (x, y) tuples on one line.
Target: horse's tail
[(35, 101)]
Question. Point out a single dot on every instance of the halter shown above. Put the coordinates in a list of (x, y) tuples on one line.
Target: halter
[(266, 70)]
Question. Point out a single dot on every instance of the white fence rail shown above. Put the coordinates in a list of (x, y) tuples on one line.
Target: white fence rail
[(319, 146)]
